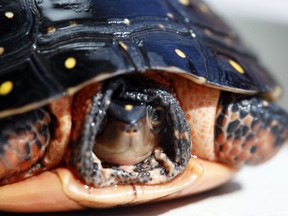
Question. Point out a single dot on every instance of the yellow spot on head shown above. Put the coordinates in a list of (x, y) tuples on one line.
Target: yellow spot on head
[(6, 87), (236, 66), (180, 53), (123, 45), (128, 107), (2, 50), (184, 2), (70, 63), (51, 29), (9, 14)]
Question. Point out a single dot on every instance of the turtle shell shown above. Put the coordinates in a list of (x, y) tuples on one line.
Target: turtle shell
[(52, 48)]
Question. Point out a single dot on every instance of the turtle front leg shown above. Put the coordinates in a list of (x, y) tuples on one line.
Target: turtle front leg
[(248, 130), (24, 138)]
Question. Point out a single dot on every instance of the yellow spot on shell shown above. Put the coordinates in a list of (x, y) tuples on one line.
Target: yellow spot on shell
[(277, 92), (204, 8), (51, 29), (161, 26), (128, 107), (274, 94), (180, 53), (73, 23), (126, 21), (236, 66), (123, 45), (9, 15), (70, 63), (208, 32), (6, 87), (184, 2), (170, 16), (2, 50)]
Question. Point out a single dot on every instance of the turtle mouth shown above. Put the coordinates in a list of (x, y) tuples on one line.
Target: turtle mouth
[(134, 132)]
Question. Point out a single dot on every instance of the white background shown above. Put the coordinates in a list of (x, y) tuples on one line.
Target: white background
[(263, 24)]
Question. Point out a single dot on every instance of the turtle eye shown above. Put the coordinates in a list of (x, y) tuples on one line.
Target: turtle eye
[(156, 117)]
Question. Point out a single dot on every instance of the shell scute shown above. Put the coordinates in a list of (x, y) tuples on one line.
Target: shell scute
[(119, 37)]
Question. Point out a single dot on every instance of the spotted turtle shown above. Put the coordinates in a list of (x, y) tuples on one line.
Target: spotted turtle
[(108, 103)]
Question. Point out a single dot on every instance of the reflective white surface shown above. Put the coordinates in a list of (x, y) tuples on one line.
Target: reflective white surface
[(264, 10), (263, 25), (261, 190)]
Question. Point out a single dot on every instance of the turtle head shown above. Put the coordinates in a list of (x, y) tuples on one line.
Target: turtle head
[(129, 132)]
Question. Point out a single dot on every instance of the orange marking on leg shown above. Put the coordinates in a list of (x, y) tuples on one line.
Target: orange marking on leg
[(12, 158), (243, 156), (237, 142), (189, 117), (226, 148), (222, 138), (255, 146), (248, 120), (25, 165), (234, 116), (234, 150), (13, 141)]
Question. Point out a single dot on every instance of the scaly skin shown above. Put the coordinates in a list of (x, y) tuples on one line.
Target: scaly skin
[(200, 104), (49, 155)]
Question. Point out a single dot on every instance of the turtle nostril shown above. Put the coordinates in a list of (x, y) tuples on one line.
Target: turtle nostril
[(131, 129)]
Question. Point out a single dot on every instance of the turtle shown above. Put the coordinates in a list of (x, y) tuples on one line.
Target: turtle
[(110, 103)]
